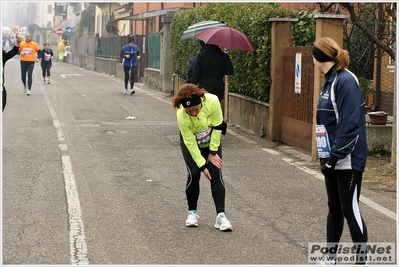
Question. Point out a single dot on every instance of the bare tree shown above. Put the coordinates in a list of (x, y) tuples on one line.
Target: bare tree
[(383, 35)]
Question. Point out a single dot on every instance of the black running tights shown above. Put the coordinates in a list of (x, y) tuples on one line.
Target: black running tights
[(193, 180), (130, 73), (343, 192), (46, 67)]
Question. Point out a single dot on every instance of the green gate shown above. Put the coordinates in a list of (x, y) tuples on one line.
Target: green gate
[(154, 50)]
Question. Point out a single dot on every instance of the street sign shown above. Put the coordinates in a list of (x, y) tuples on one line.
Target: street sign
[(68, 30), (298, 67), (60, 31)]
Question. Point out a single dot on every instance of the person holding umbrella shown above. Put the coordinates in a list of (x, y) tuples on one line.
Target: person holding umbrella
[(199, 117), (211, 65)]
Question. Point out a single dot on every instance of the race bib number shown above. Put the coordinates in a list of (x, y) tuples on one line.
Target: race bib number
[(47, 57), (27, 51), (322, 143), (204, 137)]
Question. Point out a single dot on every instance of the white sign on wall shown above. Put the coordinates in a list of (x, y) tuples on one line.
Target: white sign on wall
[(298, 70)]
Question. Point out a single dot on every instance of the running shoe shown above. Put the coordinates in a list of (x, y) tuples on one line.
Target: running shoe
[(327, 260), (132, 92), (125, 91), (48, 81), (28, 92), (45, 81), (24, 89), (222, 223), (192, 218)]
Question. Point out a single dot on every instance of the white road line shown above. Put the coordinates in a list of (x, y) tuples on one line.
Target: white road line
[(67, 75), (58, 129), (77, 238), (363, 199), (163, 100), (378, 207), (63, 147), (56, 123), (246, 140), (271, 151)]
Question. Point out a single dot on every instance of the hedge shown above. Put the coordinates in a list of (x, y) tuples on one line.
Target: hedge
[(251, 69)]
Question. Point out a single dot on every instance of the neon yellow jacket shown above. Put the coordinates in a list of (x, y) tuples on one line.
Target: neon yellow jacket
[(209, 116), (61, 46)]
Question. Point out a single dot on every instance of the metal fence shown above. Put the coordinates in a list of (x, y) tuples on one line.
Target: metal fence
[(154, 50), (109, 47)]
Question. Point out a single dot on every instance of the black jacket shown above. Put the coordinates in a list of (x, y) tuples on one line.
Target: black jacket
[(6, 56), (47, 58), (211, 65)]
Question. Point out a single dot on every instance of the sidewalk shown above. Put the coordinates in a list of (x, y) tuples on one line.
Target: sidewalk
[(374, 165)]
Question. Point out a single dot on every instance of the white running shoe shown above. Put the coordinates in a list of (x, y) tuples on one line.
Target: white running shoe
[(24, 89), (327, 260), (125, 91), (192, 218), (132, 92), (222, 223), (28, 92), (48, 81)]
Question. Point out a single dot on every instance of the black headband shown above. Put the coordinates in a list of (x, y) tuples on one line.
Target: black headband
[(190, 102), (320, 56)]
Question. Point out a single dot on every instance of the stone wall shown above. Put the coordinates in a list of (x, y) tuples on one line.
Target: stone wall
[(152, 78), (379, 138), (249, 113)]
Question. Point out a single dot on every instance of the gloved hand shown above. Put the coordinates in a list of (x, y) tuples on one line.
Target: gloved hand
[(329, 167)]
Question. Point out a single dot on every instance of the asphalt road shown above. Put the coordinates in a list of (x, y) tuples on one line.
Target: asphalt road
[(84, 183)]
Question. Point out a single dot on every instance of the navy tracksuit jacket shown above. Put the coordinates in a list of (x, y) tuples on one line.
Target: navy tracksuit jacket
[(341, 109)]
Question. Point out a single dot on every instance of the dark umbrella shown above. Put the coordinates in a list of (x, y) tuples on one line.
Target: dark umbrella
[(229, 38), (199, 27)]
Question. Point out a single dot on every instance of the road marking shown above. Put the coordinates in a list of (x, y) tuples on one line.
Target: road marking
[(363, 199), (77, 238), (67, 75), (271, 151), (163, 100), (58, 129), (56, 123), (246, 140), (378, 207), (63, 147)]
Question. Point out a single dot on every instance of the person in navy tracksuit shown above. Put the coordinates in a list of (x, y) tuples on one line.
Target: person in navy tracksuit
[(131, 55), (341, 113)]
